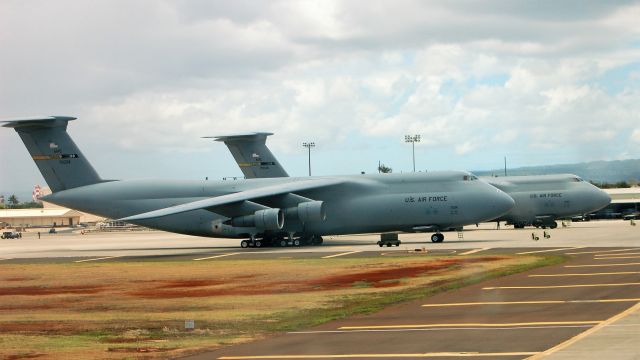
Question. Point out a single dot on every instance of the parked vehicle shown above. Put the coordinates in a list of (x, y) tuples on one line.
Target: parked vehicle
[(388, 240), (632, 216), (11, 235)]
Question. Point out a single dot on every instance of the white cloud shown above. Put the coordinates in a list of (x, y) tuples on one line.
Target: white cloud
[(469, 77)]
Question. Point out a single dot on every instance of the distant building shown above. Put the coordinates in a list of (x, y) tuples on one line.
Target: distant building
[(50, 215), (40, 217), (624, 201)]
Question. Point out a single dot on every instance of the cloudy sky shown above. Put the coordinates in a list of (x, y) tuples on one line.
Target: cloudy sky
[(541, 82)]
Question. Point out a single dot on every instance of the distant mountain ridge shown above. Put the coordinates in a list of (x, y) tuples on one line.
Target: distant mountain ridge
[(597, 171)]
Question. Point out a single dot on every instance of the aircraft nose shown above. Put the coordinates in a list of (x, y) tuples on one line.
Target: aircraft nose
[(602, 199), (504, 203), (500, 203)]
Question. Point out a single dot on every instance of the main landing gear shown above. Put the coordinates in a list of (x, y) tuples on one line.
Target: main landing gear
[(252, 242), (282, 241), (437, 237)]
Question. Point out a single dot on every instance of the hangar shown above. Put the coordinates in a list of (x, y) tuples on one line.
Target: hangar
[(624, 201), (49, 215), (40, 217)]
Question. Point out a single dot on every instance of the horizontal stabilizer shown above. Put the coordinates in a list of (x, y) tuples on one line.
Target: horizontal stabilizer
[(39, 121), (239, 137), (211, 203)]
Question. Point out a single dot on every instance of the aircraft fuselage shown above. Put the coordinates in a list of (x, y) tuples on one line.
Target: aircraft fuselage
[(359, 204)]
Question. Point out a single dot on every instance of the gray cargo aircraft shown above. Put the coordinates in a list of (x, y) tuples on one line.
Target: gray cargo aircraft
[(539, 199), (276, 211)]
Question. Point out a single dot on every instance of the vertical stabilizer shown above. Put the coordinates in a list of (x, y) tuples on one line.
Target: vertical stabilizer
[(60, 161), (253, 156)]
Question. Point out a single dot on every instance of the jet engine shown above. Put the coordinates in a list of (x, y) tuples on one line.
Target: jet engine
[(307, 211), (268, 219)]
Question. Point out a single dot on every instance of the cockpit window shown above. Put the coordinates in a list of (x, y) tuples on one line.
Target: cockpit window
[(469, 178), (577, 179)]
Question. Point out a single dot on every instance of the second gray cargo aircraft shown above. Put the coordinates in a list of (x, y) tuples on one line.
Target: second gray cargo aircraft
[(278, 211)]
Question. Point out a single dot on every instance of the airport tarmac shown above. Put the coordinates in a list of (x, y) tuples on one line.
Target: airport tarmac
[(156, 243), (586, 308)]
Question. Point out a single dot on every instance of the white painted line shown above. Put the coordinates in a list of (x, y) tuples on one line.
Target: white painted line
[(550, 250), (474, 251), (442, 329), (96, 259), (532, 302), (600, 265), (479, 325), (601, 251), (559, 286), (616, 254), (216, 256), (618, 257), (341, 254), (377, 356), (582, 335), (590, 274)]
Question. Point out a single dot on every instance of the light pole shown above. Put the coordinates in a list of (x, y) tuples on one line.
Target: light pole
[(309, 145), (413, 139)]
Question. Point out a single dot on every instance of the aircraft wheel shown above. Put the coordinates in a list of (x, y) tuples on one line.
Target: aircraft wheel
[(296, 242), (283, 243), (244, 244), (434, 238), (440, 237), (258, 243), (553, 225)]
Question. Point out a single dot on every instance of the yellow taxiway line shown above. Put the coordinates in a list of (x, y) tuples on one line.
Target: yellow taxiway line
[(584, 334), (601, 251), (341, 254), (589, 274), (617, 257), (474, 251), (216, 256), (616, 254), (599, 265), (532, 302), (559, 286), (548, 250), (371, 356), (96, 259), (480, 325)]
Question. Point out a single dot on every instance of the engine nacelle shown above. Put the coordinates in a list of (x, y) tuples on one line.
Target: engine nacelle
[(308, 211), (269, 219)]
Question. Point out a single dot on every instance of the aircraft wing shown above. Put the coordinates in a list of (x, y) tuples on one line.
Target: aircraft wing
[(219, 201)]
